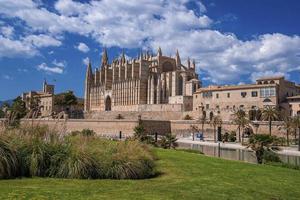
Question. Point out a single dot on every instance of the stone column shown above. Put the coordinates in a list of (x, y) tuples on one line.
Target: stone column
[(184, 78), (152, 90), (158, 89), (149, 89), (174, 83)]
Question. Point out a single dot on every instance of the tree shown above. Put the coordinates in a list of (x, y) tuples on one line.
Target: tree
[(240, 120), (296, 125), (202, 121), (139, 132), (288, 125), (18, 107), (65, 99), (270, 114), (215, 122), (2, 113), (169, 141), (260, 143)]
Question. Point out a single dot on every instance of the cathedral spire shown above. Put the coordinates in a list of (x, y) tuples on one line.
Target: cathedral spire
[(178, 61), (123, 58), (89, 72), (159, 53), (194, 64), (189, 63), (104, 57)]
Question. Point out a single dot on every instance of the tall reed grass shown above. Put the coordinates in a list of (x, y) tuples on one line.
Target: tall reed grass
[(41, 151)]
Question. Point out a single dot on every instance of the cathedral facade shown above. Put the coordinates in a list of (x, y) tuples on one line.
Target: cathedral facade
[(128, 85)]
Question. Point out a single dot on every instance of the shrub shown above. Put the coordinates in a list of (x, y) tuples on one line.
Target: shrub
[(78, 164), (187, 117), (84, 132), (232, 136), (8, 160), (168, 141), (88, 132), (270, 156), (119, 116), (132, 161), (260, 143), (45, 154)]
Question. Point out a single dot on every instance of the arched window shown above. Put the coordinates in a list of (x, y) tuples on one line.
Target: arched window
[(211, 115), (180, 85), (108, 104), (272, 82), (194, 87)]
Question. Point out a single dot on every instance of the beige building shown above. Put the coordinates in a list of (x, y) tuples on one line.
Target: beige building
[(43, 99), (224, 100), (294, 103), (148, 83)]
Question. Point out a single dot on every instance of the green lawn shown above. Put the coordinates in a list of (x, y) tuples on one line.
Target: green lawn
[(184, 176)]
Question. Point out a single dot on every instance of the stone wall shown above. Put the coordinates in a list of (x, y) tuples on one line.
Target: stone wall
[(104, 127), (178, 127), (129, 115), (183, 127), (150, 108)]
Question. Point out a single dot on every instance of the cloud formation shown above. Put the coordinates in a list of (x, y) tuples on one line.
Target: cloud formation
[(148, 24), (82, 47), (44, 67)]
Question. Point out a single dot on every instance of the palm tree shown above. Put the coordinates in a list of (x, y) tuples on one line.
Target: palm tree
[(270, 114), (260, 143), (241, 120), (202, 121), (288, 125), (296, 125), (216, 121), (169, 141)]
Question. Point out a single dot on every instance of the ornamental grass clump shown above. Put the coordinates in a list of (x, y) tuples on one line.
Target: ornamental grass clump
[(131, 160), (40, 151), (8, 160)]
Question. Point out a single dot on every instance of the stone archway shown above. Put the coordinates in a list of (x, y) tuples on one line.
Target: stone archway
[(108, 103)]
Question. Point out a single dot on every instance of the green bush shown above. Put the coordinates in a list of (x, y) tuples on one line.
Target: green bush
[(229, 137), (42, 152), (187, 117), (8, 160), (232, 136), (270, 156), (84, 132)]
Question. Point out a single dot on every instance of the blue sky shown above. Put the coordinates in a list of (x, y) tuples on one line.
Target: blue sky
[(232, 41)]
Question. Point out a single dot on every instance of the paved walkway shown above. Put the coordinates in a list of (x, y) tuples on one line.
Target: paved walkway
[(292, 150)]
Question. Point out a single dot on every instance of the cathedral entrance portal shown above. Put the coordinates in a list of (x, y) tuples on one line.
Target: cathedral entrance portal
[(108, 104)]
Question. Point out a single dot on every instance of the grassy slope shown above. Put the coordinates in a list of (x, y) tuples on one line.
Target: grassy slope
[(185, 176)]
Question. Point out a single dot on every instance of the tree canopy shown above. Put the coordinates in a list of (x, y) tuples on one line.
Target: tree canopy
[(65, 99)]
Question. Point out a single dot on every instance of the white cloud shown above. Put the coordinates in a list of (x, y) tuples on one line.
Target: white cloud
[(86, 61), (42, 40), (61, 64), (7, 77), (151, 23), (44, 67), (22, 70), (7, 31), (82, 47), (15, 48), (256, 75)]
